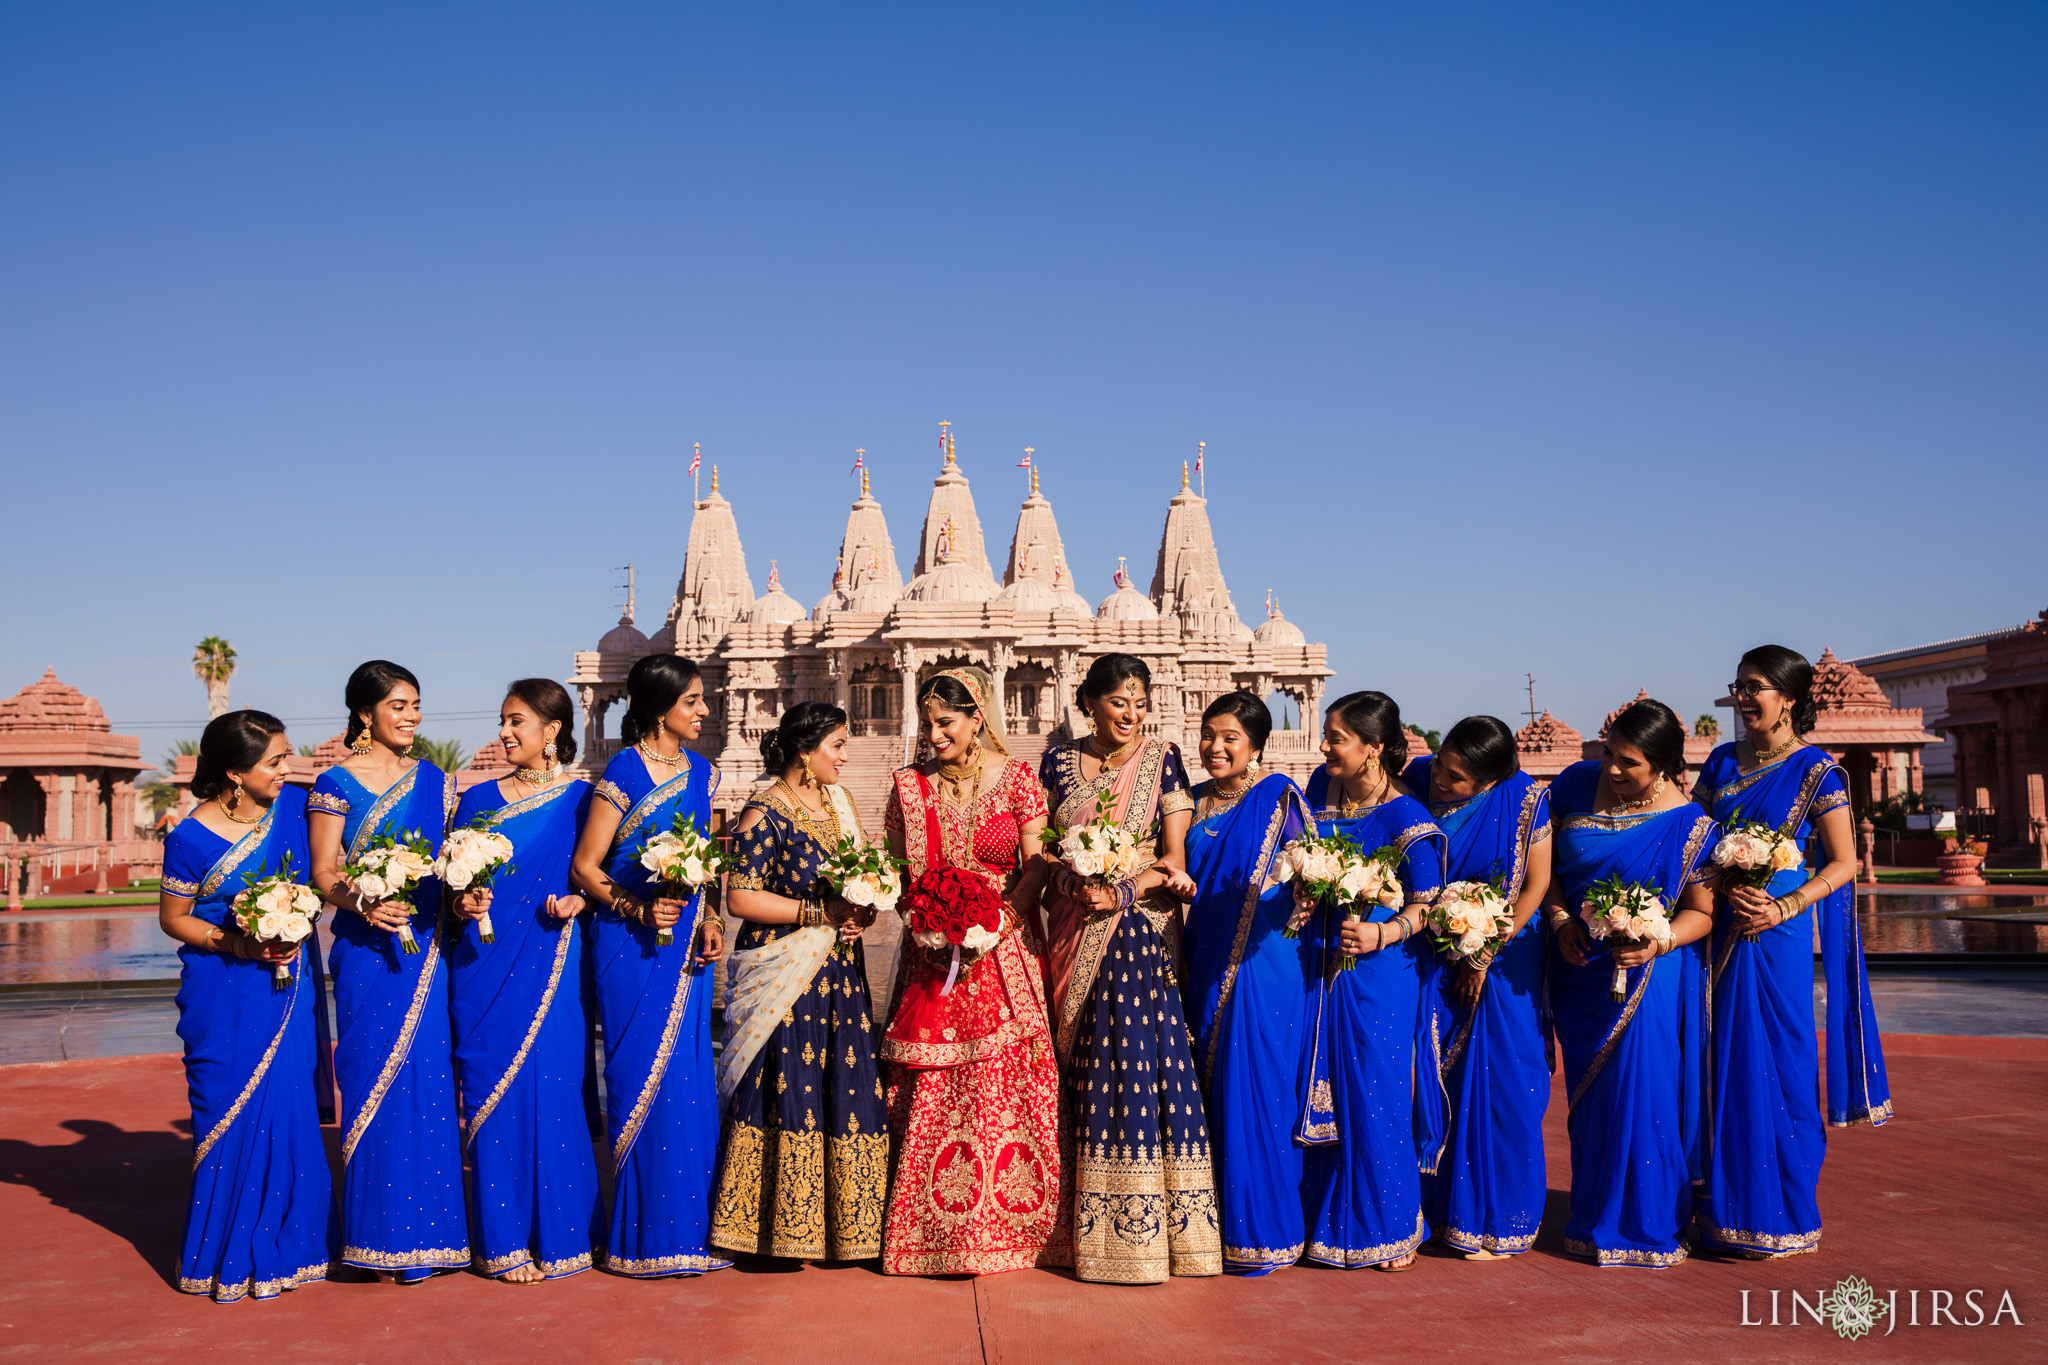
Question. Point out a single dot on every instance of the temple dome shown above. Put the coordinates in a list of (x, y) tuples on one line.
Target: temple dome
[(1642, 694), (622, 638), (951, 581), (1127, 604), (774, 607), (1839, 686), (1278, 630), (1028, 594)]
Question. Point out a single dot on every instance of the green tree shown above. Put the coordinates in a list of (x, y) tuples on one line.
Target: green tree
[(308, 750), (1432, 738), (159, 792), (213, 663), (1707, 727), (446, 754)]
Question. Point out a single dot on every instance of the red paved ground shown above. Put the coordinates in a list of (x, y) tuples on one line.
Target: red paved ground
[(1951, 1195)]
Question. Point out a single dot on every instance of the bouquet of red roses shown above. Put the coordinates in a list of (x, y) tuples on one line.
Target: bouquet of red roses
[(951, 909)]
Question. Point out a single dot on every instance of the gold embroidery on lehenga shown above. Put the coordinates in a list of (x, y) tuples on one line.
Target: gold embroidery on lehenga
[(430, 1258), (801, 1195), (1648, 1258), (1785, 1244), (1505, 1246)]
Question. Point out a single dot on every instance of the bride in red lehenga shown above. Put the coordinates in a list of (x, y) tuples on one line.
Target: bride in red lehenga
[(974, 1095)]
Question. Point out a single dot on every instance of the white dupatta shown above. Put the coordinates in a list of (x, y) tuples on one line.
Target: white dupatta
[(767, 980)]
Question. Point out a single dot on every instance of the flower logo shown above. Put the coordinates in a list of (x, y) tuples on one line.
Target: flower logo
[(1852, 1309)]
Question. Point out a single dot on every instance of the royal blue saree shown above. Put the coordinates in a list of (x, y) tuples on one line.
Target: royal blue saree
[(1487, 1191), (1765, 1140), (1371, 1109), (661, 1092), (1246, 991), (262, 1218), (401, 1137), (1634, 1071), (520, 1010)]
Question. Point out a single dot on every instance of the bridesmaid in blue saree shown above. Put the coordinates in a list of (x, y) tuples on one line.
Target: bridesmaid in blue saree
[(1633, 1068), (262, 1219), (1765, 1139), (1485, 1198), (1247, 986), (401, 1138), (661, 1091), (1371, 1108), (521, 1009), (1144, 1186)]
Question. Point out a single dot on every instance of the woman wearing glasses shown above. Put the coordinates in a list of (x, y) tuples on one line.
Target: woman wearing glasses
[(1765, 1139)]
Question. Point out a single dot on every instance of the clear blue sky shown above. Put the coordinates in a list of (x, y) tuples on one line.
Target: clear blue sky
[(1598, 341)]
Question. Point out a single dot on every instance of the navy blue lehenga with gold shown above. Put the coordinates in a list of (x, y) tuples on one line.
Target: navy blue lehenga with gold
[(805, 1163), (1144, 1188)]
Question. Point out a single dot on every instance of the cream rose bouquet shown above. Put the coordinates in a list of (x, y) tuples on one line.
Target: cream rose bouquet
[(866, 877), (1627, 915), (684, 860), (1101, 851), (277, 909), (1468, 919), (470, 858), (1751, 852), (1334, 869), (389, 869)]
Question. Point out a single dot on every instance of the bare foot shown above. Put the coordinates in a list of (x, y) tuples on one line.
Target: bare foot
[(523, 1274), (1484, 1255), (1396, 1267)]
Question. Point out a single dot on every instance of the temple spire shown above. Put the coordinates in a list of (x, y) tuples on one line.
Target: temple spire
[(1188, 580)]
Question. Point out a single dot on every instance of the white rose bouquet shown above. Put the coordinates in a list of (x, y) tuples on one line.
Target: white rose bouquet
[(866, 877), (1469, 918), (682, 858), (1101, 851), (388, 870), (1334, 870), (470, 858), (1628, 915), (277, 909), (1751, 852)]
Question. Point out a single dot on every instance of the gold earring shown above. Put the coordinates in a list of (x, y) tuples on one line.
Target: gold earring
[(361, 743), (548, 751), (234, 801)]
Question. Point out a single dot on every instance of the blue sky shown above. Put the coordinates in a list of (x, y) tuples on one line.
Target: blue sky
[(1594, 341)]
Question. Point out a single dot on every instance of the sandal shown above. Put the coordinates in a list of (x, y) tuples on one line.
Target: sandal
[(1396, 1267)]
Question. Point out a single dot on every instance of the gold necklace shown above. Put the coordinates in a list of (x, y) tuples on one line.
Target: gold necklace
[(229, 811), (964, 784), (798, 801), (539, 778), (651, 755), (1770, 755), (1219, 800), (1621, 807), (1375, 798), (1110, 758)]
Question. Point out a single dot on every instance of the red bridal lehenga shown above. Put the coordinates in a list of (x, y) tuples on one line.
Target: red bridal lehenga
[(974, 1093)]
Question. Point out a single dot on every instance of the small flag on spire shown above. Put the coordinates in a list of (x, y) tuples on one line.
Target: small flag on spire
[(1201, 448), (696, 456), (860, 460), (1025, 463)]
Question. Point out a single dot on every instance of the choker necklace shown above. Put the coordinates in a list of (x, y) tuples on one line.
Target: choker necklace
[(1770, 755), (540, 777), (1107, 756), (964, 784), (1621, 807), (228, 811), (648, 753)]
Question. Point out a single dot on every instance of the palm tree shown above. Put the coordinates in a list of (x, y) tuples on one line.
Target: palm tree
[(445, 754), (213, 663), (159, 792), (1707, 727)]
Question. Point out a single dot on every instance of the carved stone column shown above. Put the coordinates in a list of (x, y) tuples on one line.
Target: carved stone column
[(1064, 667), (1002, 657), (906, 667), (839, 666), (586, 697)]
